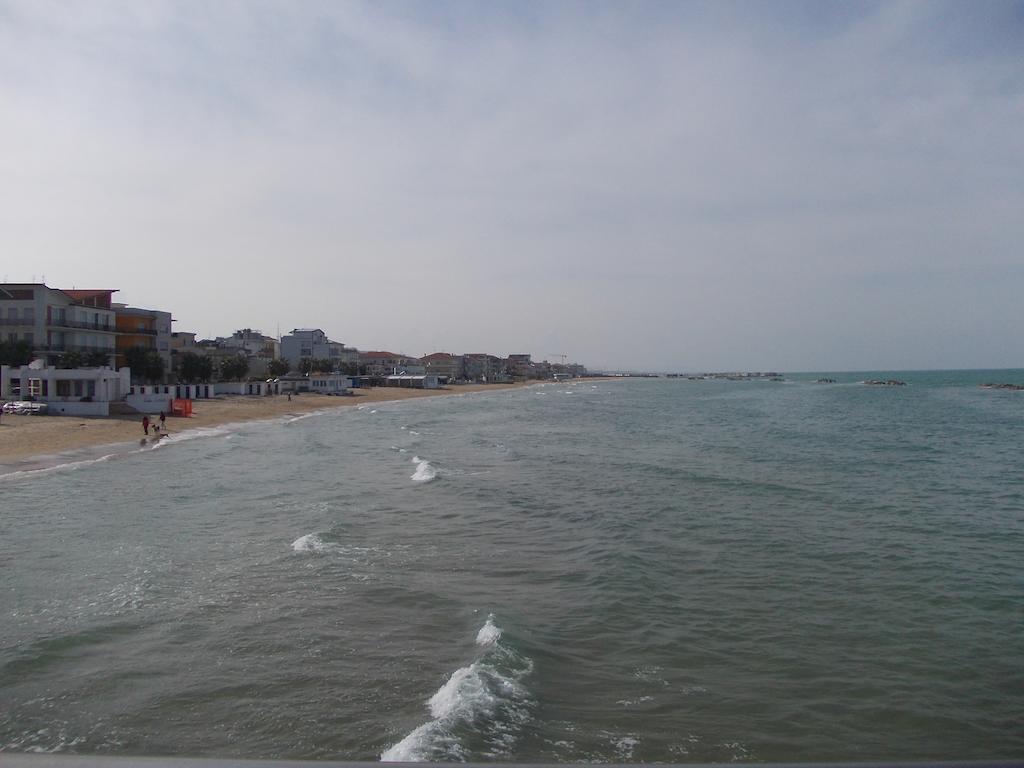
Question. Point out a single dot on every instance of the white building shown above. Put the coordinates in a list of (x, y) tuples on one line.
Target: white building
[(253, 343), (421, 381), (57, 321), (313, 343), (71, 391), (329, 383)]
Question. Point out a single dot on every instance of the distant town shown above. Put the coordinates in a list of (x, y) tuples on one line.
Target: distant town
[(79, 350)]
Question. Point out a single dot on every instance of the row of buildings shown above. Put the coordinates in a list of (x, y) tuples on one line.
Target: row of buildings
[(55, 323), (312, 344), (89, 329)]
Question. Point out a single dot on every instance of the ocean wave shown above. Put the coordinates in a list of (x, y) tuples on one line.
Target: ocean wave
[(485, 699), (65, 466), (489, 633), (314, 542), (425, 471), (169, 438)]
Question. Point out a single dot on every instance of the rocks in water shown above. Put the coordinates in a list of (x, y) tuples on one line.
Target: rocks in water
[(825, 381), (1011, 387), (885, 383)]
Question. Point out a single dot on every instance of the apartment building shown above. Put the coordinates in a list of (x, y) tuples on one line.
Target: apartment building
[(313, 343), (56, 321), (481, 366), (146, 328), (382, 363), (519, 367), (444, 365)]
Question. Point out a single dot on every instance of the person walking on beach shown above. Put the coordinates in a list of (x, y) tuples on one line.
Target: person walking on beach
[(145, 424), (163, 420)]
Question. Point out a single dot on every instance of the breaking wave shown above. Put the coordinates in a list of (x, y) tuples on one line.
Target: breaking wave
[(484, 703), (312, 542), (425, 471)]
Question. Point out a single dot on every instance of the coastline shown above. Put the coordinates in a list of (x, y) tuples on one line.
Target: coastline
[(30, 443)]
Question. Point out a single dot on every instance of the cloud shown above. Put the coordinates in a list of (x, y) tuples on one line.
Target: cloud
[(654, 185)]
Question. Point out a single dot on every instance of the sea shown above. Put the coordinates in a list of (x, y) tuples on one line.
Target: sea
[(642, 570)]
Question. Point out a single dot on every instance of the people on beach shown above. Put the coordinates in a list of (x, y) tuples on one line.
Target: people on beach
[(163, 420), (145, 424)]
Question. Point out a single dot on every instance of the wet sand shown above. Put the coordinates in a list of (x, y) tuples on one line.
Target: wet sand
[(36, 441)]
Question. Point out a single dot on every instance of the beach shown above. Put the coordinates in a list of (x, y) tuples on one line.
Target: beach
[(37, 437)]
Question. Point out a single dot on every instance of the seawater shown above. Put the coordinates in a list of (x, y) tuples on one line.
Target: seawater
[(643, 570)]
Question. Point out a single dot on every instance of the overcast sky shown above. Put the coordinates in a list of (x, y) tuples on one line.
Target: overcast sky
[(653, 185)]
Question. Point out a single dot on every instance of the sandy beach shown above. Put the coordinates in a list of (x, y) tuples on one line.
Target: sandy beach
[(29, 441)]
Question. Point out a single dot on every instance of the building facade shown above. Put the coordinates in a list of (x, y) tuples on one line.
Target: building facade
[(73, 392), (444, 365), (482, 367), (382, 363), (313, 343), (146, 328), (55, 322), (519, 367)]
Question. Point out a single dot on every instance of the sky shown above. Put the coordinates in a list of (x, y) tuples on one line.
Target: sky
[(666, 186)]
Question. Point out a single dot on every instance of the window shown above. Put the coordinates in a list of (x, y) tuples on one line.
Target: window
[(29, 313), (63, 388), (29, 337)]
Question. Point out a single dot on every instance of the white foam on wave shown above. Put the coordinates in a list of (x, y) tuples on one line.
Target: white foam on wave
[(425, 471), (66, 466), (300, 417), (311, 542), (486, 696), (124, 449), (192, 434), (489, 633)]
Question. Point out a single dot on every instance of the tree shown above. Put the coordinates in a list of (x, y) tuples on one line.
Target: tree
[(234, 368), (195, 368), (135, 358), (95, 359), (322, 365), (15, 353), (305, 365), (278, 367), (70, 360), (146, 364), (154, 366)]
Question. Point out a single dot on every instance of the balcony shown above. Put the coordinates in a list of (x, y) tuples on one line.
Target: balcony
[(17, 321), (57, 348), (82, 324), (136, 332)]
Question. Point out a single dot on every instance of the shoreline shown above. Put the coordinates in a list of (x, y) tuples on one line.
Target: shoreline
[(33, 443), (38, 442)]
